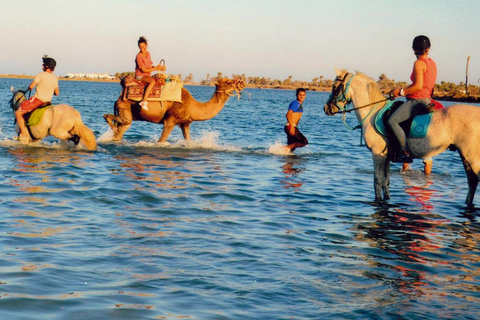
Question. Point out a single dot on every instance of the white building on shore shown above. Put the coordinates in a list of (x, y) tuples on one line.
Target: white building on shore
[(90, 76)]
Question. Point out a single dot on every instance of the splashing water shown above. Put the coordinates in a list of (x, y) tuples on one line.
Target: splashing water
[(106, 136), (279, 149), (207, 140)]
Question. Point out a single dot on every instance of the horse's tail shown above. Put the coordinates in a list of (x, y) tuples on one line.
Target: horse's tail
[(87, 138)]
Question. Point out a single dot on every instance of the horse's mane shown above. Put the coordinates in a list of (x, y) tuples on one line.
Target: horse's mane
[(374, 91)]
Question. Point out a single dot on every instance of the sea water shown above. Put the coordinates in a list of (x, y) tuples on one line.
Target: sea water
[(228, 226)]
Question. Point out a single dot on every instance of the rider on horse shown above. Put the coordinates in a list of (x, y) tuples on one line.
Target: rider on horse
[(420, 91), (47, 85)]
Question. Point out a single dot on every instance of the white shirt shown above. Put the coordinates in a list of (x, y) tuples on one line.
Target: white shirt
[(46, 84)]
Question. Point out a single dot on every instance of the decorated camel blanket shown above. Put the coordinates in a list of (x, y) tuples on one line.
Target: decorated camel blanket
[(165, 89)]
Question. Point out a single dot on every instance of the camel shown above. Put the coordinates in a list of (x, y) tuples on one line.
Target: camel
[(171, 113)]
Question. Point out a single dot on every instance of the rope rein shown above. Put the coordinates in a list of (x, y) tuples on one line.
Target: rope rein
[(346, 102), (237, 90), (367, 105)]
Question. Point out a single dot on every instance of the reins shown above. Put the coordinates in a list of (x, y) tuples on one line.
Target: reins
[(357, 108), (236, 91), (342, 97), (22, 95)]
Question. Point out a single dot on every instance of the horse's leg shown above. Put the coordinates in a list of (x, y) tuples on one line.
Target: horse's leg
[(186, 130), (167, 129), (381, 178), (386, 184), (472, 178)]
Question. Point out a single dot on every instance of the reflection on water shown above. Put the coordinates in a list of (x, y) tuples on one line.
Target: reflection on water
[(418, 244), (292, 170), (223, 229), (420, 188)]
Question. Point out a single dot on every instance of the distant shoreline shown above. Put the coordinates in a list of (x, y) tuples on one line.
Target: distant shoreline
[(12, 76), (279, 87), (437, 96)]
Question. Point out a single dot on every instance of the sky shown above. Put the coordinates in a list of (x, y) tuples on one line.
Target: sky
[(275, 39)]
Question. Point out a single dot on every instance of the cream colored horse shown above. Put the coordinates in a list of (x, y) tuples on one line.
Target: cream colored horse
[(61, 121), (456, 126)]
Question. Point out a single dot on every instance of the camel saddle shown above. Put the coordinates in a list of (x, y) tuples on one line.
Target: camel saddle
[(163, 90)]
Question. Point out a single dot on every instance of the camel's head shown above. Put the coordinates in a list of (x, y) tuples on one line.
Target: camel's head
[(232, 87)]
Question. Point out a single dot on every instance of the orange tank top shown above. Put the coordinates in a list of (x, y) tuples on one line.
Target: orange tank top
[(429, 78)]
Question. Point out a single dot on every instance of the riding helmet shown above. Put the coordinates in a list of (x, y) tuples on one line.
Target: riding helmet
[(49, 62), (421, 43)]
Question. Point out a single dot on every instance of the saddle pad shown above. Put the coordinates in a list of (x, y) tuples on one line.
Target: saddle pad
[(169, 91), (135, 93), (172, 91), (419, 126), (36, 115), (379, 125)]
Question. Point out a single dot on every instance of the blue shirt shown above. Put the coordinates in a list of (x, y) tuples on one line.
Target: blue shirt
[(295, 106)]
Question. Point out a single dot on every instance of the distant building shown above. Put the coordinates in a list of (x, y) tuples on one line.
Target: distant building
[(90, 76)]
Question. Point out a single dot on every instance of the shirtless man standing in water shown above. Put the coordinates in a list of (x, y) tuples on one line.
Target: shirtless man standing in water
[(295, 139)]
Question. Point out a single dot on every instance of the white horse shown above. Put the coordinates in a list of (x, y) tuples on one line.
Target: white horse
[(455, 126), (61, 121)]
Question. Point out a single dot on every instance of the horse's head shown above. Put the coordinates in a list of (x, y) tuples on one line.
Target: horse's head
[(232, 87), (339, 97), (17, 98)]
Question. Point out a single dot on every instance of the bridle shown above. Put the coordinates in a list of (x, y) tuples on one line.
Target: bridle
[(17, 96), (339, 95), (237, 88)]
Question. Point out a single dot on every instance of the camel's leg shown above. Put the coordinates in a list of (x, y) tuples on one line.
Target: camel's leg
[(119, 123), (472, 178), (112, 122), (186, 130), (381, 178), (167, 129), (121, 130)]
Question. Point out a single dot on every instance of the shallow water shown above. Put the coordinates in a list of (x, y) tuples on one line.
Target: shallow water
[(228, 227)]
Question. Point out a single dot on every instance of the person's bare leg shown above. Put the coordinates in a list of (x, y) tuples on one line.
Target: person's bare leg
[(428, 167), (148, 89), (24, 135)]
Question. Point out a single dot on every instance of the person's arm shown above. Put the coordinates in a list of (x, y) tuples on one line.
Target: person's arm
[(419, 68), (56, 91), (32, 85), (143, 67), (291, 121)]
